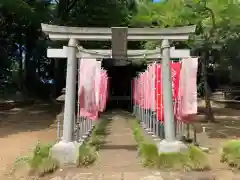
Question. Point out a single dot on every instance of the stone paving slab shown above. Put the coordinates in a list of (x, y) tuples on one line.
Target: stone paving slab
[(147, 176), (120, 150)]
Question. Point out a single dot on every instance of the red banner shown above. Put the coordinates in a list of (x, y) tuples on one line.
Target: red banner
[(175, 72)]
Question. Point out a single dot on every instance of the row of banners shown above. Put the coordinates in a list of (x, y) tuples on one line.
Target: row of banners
[(148, 92), (93, 88)]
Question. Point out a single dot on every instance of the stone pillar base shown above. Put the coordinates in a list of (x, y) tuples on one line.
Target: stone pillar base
[(172, 146), (66, 153)]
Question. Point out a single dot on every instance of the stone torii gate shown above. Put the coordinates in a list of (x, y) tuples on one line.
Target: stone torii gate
[(66, 151)]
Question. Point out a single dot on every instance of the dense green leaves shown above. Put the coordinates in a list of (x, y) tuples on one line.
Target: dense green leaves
[(218, 22), (218, 28), (23, 44)]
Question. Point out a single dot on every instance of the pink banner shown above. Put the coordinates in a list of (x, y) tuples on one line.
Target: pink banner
[(103, 91), (136, 90), (151, 86), (93, 88), (87, 88), (148, 90), (186, 107)]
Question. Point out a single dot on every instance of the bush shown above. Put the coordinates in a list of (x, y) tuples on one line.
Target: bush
[(149, 154), (98, 135), (193, 159), (41, 163), (136, 132), (40, 152), (87, 155), (47, 166), (231, 153), (88, 150)]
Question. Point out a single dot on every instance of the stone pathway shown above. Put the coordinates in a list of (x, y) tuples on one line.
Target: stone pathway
[(119, 154), (117, 160)]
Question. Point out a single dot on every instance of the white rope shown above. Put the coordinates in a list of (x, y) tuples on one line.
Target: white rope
[(144, 54)]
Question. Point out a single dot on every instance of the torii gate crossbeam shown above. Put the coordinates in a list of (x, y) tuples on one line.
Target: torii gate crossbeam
[(105, 34)]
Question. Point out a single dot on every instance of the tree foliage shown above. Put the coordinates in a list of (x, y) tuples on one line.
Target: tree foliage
[(23, 46), (217, 36)]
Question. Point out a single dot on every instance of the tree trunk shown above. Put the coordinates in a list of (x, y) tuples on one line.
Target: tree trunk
[(30, 79), (209, 114), (20, 70), (60, 77)]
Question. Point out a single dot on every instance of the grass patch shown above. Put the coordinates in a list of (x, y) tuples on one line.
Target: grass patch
[(40, 162), (88, 150), (231, 153), (87, 155), (193, 159)]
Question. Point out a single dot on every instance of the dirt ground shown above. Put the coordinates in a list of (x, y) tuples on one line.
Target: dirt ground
[(21, 129), (214, 135)]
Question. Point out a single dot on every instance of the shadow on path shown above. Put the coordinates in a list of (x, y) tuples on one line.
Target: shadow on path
[(36, 117), (117, 147)]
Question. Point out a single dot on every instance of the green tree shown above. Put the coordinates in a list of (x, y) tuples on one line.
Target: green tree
[(20, 25), (217, 30)]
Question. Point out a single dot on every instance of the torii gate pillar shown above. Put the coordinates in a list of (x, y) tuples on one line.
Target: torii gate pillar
[(66, 151), (169, 144)]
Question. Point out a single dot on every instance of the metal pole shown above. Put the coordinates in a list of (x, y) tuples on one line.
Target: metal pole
[(69, 106)]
